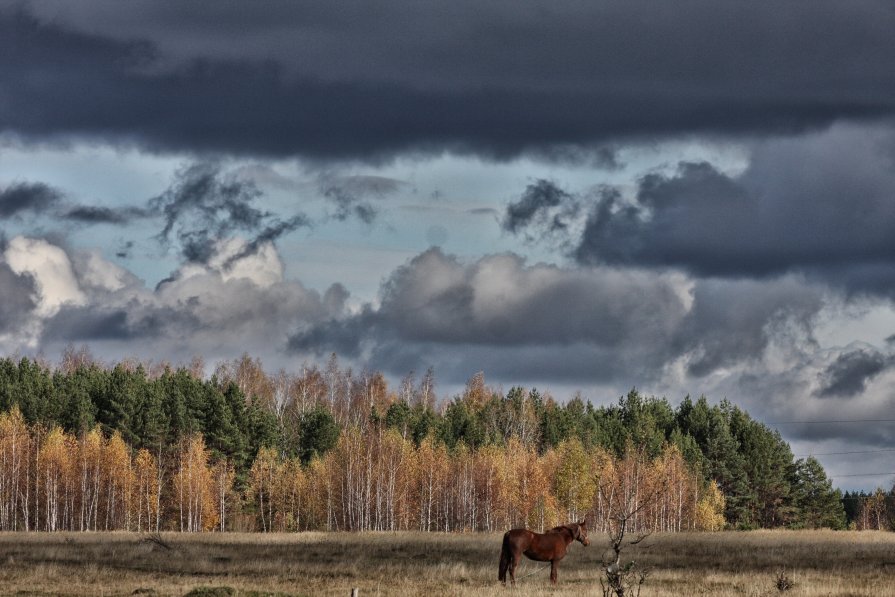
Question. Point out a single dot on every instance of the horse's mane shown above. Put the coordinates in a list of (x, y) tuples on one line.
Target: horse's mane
[(563, 527)]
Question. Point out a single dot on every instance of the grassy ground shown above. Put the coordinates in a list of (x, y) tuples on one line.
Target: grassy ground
[(818, 562)]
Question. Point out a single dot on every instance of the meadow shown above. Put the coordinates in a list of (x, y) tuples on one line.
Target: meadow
[(726, 563)]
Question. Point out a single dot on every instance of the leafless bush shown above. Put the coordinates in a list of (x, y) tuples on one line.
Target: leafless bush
[(624, 579), (783, 582), (157, 540)]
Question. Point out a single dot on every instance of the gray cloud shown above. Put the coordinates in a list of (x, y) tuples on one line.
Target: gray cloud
[(435, 298), (199, 310), (333, 80), (543, 210), (343, 336), (849, 374), (820, 204), (601, 158), (790, 394), (734, 321), (99, 322), (92, 214), (42, 199), (588, 325), (18, 299), (437, 305), (204, 205), (334, 299), (348, 205), (27, 197), (270, 233), (350, 194)]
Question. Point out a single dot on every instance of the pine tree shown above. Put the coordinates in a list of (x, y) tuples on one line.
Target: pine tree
[(319, 434), (819, 505), (768, 465)]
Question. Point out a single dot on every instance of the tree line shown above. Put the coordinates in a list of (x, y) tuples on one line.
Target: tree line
[(139, 446)]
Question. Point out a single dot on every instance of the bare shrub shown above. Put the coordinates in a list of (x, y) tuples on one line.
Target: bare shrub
[(625, 501), (783, 582), (156, 540)]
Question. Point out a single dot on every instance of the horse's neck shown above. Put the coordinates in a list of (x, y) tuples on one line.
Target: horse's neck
[(569, 536)]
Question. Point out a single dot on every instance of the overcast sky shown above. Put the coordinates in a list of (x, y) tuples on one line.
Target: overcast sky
[(691, 198)]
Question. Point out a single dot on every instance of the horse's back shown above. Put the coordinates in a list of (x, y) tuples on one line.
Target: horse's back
[(518, 539)]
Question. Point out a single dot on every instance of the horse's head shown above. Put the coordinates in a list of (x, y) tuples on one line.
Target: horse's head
[(581, 534)]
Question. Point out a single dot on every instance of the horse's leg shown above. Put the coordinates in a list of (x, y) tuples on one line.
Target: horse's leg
[(553, 565), (513, 563)]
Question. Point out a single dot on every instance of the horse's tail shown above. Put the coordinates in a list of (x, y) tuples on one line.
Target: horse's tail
[(506, 555)]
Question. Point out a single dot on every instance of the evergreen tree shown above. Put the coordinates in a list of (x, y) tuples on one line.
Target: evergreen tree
[(584, 424), (150, 423), (34, 390), (768, 464), (260, 429), (79, 409), (555, 425), (319, 434), (851, 506), (422, 421), (174, 405), (647, 421), (819, 505), (222, 434), (460, 424), (119, 404), (398, 417), (689, 449), (723, 461)]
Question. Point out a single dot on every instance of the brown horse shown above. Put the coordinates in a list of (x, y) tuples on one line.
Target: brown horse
[(541, 547)]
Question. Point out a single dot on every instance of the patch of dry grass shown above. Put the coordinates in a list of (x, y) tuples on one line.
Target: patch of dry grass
[(817, 562)]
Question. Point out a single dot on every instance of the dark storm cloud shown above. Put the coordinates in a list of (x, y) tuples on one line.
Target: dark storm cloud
[(658, 230), (849, 374), (92, 214), (220, 205), (18, 298), (344, 337), (27, 197), (733, 321), (503, 79), (96, 215), (98, 322), (269, 234), (821, 204), (545, 207), (349, 194), (41, 199), (348, 205), (204, 205), (602, 158)]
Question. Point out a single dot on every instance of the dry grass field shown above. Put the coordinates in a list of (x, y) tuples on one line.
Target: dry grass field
[(818, 562)]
